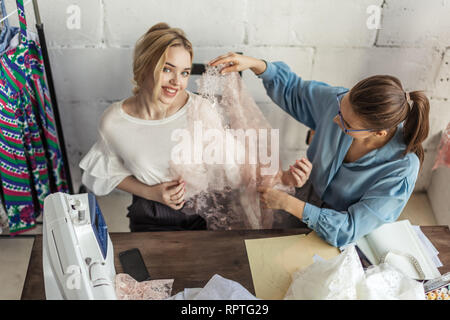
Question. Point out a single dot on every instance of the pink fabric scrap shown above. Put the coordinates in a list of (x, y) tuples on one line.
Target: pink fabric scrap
[(129, 289), (443, 155)]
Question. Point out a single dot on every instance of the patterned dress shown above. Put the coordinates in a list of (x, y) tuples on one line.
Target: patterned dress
[(28, 141)]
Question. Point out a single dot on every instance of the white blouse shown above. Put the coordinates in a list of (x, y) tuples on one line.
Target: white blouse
[(131, 146)]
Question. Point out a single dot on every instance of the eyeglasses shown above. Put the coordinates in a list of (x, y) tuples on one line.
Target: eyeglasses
[(346, 130)]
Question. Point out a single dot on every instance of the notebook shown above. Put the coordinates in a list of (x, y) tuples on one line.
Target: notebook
[(399, 245)]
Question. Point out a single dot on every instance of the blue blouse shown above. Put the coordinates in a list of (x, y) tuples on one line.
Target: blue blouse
[(364, 194)]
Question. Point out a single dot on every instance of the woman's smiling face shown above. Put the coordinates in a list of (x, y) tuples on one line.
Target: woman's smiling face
[(175, 74)]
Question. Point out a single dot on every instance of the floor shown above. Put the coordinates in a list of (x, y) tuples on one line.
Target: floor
[(15, 252)]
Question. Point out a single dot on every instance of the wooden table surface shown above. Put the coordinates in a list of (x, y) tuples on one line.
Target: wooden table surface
[(193, 257)]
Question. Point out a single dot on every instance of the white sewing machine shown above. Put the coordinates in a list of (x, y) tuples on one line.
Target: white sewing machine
[(78, 255)]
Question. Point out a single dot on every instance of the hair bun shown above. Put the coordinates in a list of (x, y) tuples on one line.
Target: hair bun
[(159, 26)]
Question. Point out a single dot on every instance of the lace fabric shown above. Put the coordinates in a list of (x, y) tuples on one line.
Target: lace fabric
[(384, 282), (222, 182), (343, 278), (334, 279), (129, 289), (443, 155)]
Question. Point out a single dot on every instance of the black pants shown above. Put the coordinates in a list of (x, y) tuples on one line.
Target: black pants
[(147, 215)]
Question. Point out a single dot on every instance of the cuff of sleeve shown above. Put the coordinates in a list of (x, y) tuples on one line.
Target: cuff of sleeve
[(269, 73), (311, 215)]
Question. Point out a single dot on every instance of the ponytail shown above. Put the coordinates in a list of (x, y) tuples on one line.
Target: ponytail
[(382, 103), (416, 126)]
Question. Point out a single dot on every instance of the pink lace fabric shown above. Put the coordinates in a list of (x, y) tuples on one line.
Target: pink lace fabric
[(129, 289), (225, 194), (443, 156)]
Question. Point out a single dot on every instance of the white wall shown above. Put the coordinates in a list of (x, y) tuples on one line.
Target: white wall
[(324, 40), (439, 195)]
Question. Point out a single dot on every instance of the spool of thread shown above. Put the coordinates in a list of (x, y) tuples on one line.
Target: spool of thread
[(431, 295)]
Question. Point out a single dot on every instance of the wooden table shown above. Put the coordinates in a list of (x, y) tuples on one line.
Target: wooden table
[(193, 257)]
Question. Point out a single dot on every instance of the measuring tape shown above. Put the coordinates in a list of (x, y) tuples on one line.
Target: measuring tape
[(437, 283), (410, 257), (439, 288)]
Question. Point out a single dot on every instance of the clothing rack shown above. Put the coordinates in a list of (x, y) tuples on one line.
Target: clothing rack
[(51, 87), (49, 76), (13, 12)]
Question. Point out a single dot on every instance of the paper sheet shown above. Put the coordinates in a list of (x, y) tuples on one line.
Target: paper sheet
[(217, 288), (432, 251), (274, 260)]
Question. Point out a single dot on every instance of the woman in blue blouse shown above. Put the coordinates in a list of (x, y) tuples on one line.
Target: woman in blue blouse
[(366, 151)]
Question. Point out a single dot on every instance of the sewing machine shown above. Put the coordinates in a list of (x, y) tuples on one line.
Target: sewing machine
[(78, 255)]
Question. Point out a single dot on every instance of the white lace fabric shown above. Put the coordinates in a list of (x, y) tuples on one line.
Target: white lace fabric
[(343, 278), (225, 194)]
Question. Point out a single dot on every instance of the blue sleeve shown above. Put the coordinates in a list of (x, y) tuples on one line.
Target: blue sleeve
[(382, 203), (306, 101)]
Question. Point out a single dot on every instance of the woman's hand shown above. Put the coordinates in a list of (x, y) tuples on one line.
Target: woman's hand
[(235, 62), (298, 174), (170, 193), (272, 198), (276, 199)]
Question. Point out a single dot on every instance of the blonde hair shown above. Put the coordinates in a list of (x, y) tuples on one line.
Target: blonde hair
[(150, 54)]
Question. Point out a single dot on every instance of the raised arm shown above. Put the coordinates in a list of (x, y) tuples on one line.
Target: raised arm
[(306, 101), (236, 62)]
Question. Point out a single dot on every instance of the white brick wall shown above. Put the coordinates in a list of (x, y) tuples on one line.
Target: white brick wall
[(415, 67), (324, 40), (442, 81), (206, 23), (439, 195), (416, 23), (55, 15), (91, 74), (299, 59), (325, 23)]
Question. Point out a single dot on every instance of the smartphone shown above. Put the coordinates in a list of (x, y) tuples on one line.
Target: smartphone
[(133, 264)]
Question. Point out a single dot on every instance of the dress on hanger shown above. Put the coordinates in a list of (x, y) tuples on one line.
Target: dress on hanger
[(5, 36), (23, 103), (42, 108)]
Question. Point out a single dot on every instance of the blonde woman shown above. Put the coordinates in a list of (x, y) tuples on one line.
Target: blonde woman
[(133, 149)]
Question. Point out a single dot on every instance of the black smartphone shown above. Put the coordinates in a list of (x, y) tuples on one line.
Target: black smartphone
[(133, 264)]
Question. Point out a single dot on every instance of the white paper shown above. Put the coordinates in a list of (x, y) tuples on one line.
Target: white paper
[(431, 249), (399, 238), (217, 288)]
